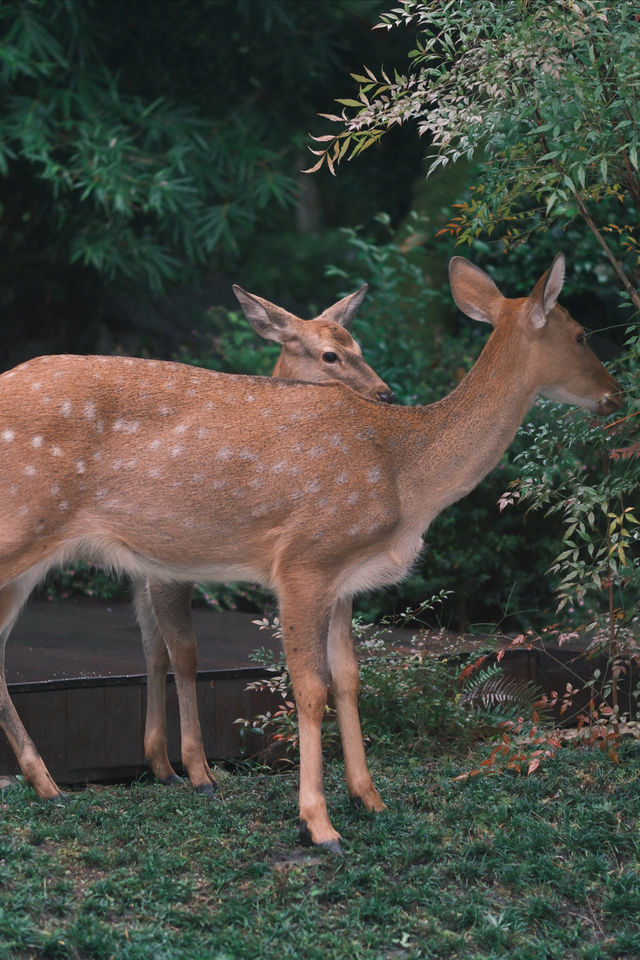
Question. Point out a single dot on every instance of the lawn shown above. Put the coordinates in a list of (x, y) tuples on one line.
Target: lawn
[(494, 866)]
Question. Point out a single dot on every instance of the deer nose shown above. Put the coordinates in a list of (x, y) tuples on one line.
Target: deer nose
[(607, 405), (387, 396)]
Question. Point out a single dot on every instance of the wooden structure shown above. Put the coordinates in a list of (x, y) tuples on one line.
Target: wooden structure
[(77, 678)]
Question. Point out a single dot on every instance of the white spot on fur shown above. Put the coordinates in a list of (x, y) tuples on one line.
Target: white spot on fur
[(63, 505), (315, 452), (342, 477), (89, 410), (224, 453), (81, 467), (155, 444), (353, 498), (314, 486), (54, 489), (354, 530), (36, 442), (126, 426), (181, 428), (155, 473), (177, 450), (56, 451), (374, 474), (8, 435), (30, 470), (65, 408), (203, 433), (279, 467)]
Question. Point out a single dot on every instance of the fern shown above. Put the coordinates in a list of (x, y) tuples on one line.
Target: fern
[(491, 692)]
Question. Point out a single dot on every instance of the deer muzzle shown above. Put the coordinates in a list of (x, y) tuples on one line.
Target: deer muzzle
[(608, 404)]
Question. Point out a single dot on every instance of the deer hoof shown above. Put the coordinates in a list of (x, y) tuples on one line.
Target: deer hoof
[(330, 846), (173, 780), (207, 789), (59, 798)]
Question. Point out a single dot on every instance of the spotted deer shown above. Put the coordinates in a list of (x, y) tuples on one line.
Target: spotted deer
[(316, 351), (175, 474)]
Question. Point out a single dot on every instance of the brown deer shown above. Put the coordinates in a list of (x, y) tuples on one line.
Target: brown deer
[(315, 351), (175, 474)]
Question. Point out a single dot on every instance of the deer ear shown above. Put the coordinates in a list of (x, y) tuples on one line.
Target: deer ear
[(544, 295), (474, 291), (270, 321), (344, 310)]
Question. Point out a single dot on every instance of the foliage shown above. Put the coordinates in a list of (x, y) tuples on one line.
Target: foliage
[(442, 708), (139, 155), (136, 184), (542, 94), (83, 579)]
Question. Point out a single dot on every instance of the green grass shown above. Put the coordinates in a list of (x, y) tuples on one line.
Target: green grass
[(500, 866)]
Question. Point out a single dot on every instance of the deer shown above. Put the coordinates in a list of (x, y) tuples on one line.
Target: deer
[(317, 351), (174, 474)]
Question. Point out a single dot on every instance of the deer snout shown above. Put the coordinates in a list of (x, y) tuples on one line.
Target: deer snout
[(608, 404), (387, 396)]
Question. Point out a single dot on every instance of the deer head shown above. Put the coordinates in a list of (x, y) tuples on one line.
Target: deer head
[(317, 351)]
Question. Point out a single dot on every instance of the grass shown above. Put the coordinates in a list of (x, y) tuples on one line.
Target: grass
[(492, 867)]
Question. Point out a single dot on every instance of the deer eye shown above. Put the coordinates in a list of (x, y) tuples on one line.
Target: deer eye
[(330, 357), (583, 337)]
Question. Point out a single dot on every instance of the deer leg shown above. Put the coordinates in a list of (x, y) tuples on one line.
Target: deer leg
[(304, 635), (157, 661), (345, 682), (171, 606), (32, 766)]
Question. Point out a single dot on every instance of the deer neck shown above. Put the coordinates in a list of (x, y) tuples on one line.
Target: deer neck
[(462, 437)]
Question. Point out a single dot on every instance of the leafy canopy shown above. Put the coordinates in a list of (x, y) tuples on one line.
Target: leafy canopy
[(543, 94), (136, 182)]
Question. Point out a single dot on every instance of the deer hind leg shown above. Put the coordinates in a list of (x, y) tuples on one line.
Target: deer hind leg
[(304, 633), (171, 606), (12, 597), (157, 660), (345, 682)]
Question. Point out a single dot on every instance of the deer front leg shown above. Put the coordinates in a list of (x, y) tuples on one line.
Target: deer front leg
[(304, 635), (345, 682), (171, 605)]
